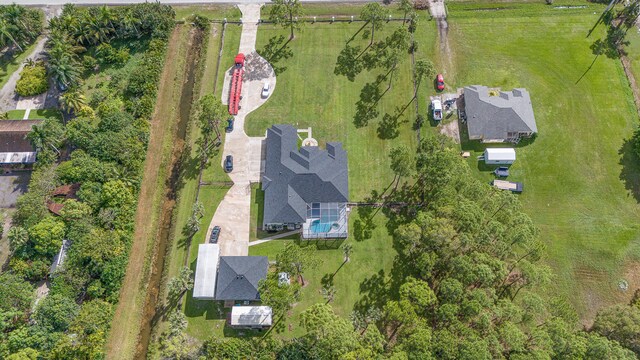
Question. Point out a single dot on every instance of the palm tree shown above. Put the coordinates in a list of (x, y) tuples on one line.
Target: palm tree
[(7, 31), (130, 21), (64, 70), (72, 101)]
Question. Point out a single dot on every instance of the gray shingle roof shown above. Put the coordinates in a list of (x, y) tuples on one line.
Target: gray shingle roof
[(238, 277), (493, 117), (295, 177)]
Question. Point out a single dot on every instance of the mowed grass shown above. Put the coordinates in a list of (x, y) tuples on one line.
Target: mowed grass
[(580, 177), (370, 261), (308, 94)]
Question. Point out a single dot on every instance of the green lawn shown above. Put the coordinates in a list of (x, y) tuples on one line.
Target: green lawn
[(581, 179), (360, 277), (211, 11), (307, 94), (35, 114)]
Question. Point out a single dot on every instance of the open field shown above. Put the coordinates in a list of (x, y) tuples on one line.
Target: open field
[(581, 179), (326, 102)]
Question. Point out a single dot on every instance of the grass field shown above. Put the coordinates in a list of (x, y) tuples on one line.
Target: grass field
[(326, 102), (35, 114), (581, 180)]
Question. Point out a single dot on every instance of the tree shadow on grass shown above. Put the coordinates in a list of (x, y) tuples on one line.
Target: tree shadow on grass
[(630, 173), (276, 50)]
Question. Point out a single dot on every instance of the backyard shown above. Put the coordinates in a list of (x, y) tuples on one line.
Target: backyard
[(580, 176)]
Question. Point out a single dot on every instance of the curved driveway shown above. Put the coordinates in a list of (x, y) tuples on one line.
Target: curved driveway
[(233, 213)]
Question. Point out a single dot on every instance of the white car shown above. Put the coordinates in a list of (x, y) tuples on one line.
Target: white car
[(437, 110), (265, 89)]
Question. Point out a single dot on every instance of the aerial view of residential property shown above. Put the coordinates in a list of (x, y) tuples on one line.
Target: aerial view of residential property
[(319, 179)]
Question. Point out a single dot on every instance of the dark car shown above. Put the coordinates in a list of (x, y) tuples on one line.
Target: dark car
[(440, 82), (228, 164), (502, 171), (213, 239), (229, 127)]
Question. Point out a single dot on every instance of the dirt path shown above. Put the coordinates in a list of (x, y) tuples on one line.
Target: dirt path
[(137, 306), (438, 11)]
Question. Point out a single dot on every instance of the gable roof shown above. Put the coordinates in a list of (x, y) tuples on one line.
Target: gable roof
[(238, 277), (294, 177), (493, 117), (13, 135)]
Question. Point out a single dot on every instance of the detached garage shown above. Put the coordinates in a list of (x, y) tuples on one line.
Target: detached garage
[(204, 286), (499, 156)]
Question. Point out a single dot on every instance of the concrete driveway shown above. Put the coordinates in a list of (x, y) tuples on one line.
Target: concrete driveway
[(233, 214), (12, 186)]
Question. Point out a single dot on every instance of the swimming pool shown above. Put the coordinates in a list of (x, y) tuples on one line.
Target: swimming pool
[(320, 227)]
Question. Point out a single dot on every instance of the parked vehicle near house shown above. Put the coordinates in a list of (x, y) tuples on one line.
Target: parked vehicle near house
[(440, 82), (502, 171), (436, 106), (229, 127), (228, 164), (215, 233)]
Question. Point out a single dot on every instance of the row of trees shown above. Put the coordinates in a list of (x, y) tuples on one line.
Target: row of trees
[(19, 26), (107, 137)]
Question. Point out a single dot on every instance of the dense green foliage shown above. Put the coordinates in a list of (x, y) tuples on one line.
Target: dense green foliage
[(107, 140), (19, 25), (33, 80)]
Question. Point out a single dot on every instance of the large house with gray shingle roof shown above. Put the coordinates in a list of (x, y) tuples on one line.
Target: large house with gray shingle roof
[(304, 187), (507, 117)]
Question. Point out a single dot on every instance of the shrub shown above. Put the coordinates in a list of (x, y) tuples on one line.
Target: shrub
[(89, 63), (33, 80), (107, 54)]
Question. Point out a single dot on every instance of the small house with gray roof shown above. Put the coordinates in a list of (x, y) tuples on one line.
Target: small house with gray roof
[(238, 277), (304, 187), (506, 117)]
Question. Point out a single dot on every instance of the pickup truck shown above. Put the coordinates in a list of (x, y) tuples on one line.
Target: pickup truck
[(436, 106)]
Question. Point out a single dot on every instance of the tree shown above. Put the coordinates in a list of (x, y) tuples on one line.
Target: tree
[(406, 6), (402, 163), (180, 284), (620, 323), (56, 312), (18, 238), (72, 101), (286, 13), (211, 113), (295, 260), (17, 296), (424, 70), (328, 335), (280, 297), (348, 63), (193, 223), (47, 235), (346, 251), (375, 15)]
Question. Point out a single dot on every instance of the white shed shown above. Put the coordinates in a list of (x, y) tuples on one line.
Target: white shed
[(499, 156), (251, 316), (204, 286)]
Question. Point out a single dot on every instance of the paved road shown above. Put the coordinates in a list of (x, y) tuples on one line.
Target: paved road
[(233, 213), (171, 2)]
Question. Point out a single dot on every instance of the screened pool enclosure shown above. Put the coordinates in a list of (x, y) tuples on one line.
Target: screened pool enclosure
[(325, 220)]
